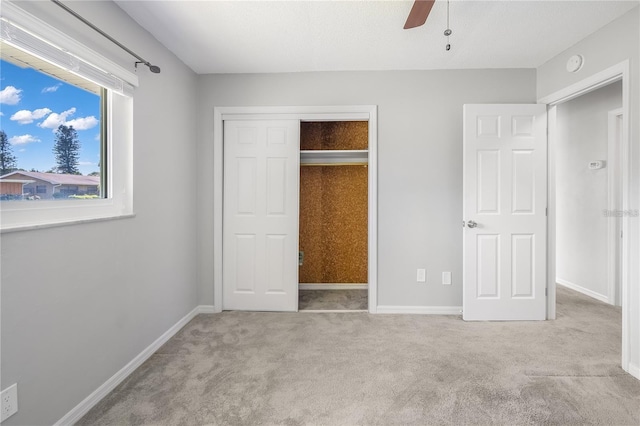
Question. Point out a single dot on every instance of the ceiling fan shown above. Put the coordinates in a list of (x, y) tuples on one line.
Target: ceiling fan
[(419, 13)]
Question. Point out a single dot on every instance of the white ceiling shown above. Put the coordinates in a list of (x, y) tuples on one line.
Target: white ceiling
[(218, 36)]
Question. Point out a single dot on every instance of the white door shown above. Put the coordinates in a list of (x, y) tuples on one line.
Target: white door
[(260, 215), (505, 201)]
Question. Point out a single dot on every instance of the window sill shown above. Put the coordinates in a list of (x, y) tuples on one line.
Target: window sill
[(20, 228)]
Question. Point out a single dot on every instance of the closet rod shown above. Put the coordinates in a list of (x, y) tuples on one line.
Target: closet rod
[(333, 164)]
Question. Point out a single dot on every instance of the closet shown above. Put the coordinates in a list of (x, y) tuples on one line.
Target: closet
[(333, 215), (295, 197)]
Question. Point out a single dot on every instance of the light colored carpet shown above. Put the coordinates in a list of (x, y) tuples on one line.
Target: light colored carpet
[(243, 368), (320, 300)]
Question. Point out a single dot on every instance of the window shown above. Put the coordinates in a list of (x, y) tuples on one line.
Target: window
[(51, 125), (40, 62)]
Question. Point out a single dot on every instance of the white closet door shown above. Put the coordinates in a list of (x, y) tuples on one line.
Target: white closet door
[(260, 238)]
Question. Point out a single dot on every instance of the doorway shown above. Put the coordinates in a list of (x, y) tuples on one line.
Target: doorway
[(619, 72), (588, 193), (333, 216)]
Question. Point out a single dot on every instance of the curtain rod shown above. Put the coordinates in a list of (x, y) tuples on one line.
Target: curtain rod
[(153, 68)]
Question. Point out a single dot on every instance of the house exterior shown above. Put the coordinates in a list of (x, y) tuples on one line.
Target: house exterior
[(12, 189), (36, 185)]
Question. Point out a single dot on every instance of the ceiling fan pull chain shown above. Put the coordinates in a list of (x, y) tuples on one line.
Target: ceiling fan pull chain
[(448, 31)]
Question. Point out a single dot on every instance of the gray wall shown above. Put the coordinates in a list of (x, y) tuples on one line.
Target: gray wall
[(614, 43), (581, 193), (419, 162), (103, 292), (80, 302)]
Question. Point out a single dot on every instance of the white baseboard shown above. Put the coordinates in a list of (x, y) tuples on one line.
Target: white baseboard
[(332, 311), (585, 291), (329, 286), (96, 396), (634, 370), (207, 309), (420, 310)]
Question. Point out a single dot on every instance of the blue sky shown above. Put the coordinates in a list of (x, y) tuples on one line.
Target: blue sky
[(33, 105)]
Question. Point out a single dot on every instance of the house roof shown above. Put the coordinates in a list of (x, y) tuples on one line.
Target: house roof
[(16, 180), (55, 178)]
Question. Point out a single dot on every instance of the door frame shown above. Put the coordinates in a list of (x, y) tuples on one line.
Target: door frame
[(617, 72), (615, 124), (367, 113)]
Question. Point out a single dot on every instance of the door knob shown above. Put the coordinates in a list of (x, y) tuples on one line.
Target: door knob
[(471, 224)]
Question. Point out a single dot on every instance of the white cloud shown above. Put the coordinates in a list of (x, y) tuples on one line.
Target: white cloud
[(51, 89), (54, 119), (87, 163), (10, 95), (23, 140), (83, 123), (1, 114), (25, 116)]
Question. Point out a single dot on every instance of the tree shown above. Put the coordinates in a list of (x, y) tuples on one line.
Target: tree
[(67, 150), (7, 159)]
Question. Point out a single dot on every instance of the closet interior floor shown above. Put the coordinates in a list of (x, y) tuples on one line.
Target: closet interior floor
[(332, 300)]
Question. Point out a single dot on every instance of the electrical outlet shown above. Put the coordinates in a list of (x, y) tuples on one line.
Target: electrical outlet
[(422, 275), (9, 399), (446, 278)]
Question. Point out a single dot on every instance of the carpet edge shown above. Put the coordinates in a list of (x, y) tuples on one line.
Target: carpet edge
[(103, 390)]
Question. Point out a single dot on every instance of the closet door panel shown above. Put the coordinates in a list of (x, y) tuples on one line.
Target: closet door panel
[(246, 186), (244, 277), (260, 215), (276, 263), (276, 186)]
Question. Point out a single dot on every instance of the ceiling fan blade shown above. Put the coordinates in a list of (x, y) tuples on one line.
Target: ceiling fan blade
[(419, 13)]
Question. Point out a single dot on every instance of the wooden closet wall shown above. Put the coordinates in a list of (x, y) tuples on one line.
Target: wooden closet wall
[(334, 206)]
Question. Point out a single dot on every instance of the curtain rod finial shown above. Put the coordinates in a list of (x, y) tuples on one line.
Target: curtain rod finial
[(153, 68)]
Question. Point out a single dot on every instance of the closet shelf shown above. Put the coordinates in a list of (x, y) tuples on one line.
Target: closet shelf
[(334, 156)]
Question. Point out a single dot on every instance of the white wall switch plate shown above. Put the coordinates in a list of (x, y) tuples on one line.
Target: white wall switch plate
[(597, 164), (9, 399), (422, 275), (446, 278)]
